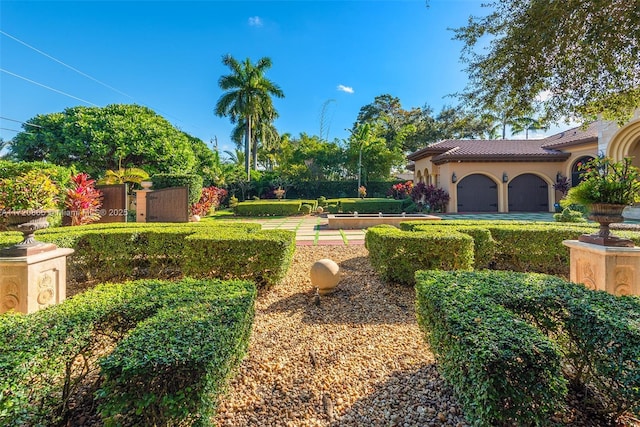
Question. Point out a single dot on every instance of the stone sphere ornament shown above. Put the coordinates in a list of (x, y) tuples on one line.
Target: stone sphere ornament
[(325, 275)]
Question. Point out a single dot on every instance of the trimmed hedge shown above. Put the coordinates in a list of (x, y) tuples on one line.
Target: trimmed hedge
[(268, 208), (397, 254), (492, 335), (368, 206), (519, 245), (263, 256), (126, 251), (484, 246), (176, 344), (315, 189)]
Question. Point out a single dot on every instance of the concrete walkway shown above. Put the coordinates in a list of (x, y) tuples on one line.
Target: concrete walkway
[(313, 231)]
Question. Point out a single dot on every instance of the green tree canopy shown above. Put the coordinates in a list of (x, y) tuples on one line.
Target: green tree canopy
[(568, 58), (308, 157), (95, 139)]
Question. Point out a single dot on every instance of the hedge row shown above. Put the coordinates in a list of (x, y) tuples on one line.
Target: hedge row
[(369, 206), (509, 343), (128, 251), (397, 254), (315, 189), (176, 343), (517, 245), (274, 207)]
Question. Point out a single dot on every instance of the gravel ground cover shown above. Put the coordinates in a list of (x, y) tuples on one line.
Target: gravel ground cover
[(352, 358)]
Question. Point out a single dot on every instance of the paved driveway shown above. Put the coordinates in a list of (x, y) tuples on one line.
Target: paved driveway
[(313, 231)]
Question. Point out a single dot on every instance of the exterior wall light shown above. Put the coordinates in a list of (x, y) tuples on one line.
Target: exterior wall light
[(454, 178), (505, 177)]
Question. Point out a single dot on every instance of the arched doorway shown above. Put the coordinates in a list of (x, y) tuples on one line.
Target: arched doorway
[(626, 143), (528, 193), (576, 173), (477, 193)]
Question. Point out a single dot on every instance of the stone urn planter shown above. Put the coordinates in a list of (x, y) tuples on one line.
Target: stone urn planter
[(606, 214), (28, 222)]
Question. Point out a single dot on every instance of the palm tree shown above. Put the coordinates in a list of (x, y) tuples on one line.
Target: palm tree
[(123, 175), (4, 144), (526, 124), (263, 135), (248, 97)]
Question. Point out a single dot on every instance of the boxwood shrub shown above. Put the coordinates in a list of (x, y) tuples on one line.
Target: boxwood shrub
[(369, 206), (176, 343), (519, 245), (397, 254), (268, 208), (484, 245), (509, 343), (152, 250)]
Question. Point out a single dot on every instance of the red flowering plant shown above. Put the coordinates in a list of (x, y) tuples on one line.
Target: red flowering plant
[(83, 201), (401, 191), (210, 199)]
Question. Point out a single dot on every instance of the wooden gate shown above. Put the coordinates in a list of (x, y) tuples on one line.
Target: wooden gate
[(168, 205), (114, 203)]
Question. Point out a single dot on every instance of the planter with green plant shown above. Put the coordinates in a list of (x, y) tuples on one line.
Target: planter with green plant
[(25, 203), (607, 188)]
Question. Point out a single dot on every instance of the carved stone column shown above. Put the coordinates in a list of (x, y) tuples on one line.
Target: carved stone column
[(612, 269), (30, 283)]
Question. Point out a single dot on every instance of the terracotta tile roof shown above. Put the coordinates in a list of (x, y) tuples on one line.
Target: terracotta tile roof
[(505, 150), (496, 150), (572, 137)]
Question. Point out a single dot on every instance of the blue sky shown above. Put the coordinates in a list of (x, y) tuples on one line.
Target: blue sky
[(167, 56)]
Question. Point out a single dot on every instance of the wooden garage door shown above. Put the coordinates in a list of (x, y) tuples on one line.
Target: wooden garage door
[(477, 193), (528, 193)]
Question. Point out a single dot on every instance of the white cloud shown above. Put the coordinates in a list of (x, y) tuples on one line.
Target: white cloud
[(344, 88), (255, 21)]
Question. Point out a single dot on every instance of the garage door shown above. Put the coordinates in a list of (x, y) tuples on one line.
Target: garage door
[(528, 193), (477, 193)]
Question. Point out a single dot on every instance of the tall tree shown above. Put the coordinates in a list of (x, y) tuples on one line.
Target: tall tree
[(571, 58), (248, 97), (525, 124), (95, 139)]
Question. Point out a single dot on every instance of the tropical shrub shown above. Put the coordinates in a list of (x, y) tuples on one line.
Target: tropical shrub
[(401, 190), (568, 215), (83, 201), (209, 200), (430, 197), (60, 175), (123, 176), (32, 190)]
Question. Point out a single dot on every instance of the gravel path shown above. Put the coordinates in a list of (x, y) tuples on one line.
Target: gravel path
[(356, 359)]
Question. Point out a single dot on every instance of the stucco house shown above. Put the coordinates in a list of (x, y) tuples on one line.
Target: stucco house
[(518, 175)]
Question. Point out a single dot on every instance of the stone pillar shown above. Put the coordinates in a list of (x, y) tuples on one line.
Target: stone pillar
[(141, 201), (30, 283), (612, 269)]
